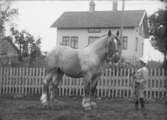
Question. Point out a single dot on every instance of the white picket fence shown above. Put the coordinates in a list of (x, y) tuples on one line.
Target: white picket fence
[(114, 83)]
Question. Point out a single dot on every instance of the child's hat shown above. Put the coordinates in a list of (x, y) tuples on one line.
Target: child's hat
[(142, 59)]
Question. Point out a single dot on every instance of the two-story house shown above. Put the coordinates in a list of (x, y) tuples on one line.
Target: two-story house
[(79, 29)]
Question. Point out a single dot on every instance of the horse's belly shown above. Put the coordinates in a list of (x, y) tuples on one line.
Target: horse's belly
[(73, 71), (72, 67)]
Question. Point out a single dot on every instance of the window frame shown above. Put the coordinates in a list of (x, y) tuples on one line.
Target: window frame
[(66, 39), (74, 41), (125, 42)]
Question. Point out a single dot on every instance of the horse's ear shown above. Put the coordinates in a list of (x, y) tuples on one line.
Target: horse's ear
[(117, 34), (109, 33)]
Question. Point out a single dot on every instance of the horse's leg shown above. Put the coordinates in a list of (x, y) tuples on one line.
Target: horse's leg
[(86, 98), (53, 84), (95, 79), (45, 87), (57, 78)]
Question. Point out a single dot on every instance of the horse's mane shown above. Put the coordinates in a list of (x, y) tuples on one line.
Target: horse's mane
[(98, 41)]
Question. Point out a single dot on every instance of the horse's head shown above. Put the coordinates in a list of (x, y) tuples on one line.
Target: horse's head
[(113, 47)]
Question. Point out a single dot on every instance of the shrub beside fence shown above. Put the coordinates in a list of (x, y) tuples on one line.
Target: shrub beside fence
[(114, 83)]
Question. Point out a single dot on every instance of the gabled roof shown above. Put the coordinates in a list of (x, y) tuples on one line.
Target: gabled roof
[(6, 43), (99, 19)]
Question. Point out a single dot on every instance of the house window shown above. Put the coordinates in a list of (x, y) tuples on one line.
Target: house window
[(65, 41), (74, 42), (91, 39), (71, 41), (94, 30), (125, 42)]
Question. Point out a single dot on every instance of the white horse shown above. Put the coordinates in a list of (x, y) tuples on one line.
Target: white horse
[(86, 63)]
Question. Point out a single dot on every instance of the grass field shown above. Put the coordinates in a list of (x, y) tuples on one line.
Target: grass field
[(70, 109)]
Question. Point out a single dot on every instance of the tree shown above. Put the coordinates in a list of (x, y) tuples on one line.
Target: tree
[(158, 29), (35, 51), (27, 45), (6, 15)]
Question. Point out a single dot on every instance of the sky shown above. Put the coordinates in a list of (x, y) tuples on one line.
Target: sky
[(37, 17)]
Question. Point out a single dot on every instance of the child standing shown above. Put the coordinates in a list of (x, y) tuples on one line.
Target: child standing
[(140, 78)]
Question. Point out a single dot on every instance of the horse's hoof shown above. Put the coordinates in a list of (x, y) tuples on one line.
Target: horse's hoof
[(43, 98), (45, 105), (44, 102), (86, 106)]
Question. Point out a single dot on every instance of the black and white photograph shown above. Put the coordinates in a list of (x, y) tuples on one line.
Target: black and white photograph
[(83, 59)]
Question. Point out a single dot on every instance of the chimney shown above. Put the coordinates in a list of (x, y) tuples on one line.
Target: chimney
[(115, 5), (92, 6)]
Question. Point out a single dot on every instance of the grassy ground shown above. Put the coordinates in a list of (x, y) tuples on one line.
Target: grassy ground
[(70, 109)]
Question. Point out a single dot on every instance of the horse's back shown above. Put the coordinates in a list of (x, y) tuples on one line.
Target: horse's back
[(64, 58), (54, 57)]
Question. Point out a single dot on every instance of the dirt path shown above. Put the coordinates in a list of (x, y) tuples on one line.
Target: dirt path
[(70, 109)]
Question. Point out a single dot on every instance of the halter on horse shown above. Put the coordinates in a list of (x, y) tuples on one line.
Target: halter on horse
[(86, 63)]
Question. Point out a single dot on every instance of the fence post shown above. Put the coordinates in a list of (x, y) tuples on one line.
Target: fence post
[(114, 82)]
